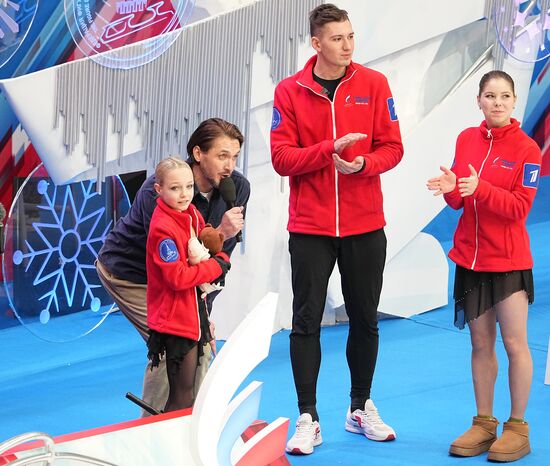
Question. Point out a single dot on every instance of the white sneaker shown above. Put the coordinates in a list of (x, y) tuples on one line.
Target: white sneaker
[(307, 436), (369, 423)]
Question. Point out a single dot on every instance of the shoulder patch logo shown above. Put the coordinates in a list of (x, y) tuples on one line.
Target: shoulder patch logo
[(276, 119), (531, 175), (168, 250), (391, 109)]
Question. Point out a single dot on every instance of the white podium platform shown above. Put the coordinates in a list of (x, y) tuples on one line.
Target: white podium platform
[(220, 430)]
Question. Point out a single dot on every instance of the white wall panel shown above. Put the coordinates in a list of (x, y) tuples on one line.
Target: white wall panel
[(423, 46)]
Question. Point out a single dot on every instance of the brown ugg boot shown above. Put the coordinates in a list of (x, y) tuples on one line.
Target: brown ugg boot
[(476, 439), (513, 444)]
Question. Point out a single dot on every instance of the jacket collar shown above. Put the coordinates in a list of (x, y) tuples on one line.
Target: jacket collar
[(305, 77), (185, 218), (499, 133)]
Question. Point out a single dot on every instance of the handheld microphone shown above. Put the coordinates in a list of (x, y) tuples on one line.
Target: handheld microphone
[(142, 404), (2, 217), (228, 193)]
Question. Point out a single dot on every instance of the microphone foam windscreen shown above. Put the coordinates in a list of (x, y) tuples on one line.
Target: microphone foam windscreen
[(227, 190)]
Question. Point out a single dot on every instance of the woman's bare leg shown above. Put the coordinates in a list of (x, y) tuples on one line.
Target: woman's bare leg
[(512, 317), (484, 361)]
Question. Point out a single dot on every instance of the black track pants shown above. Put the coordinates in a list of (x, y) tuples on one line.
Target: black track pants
[(361, 260)]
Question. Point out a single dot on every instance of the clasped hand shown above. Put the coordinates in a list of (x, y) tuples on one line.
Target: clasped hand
[(446, 182), (344, 167), (467, 186)]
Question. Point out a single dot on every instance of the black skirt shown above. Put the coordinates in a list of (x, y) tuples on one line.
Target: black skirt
[(477, 292), (174, 347)]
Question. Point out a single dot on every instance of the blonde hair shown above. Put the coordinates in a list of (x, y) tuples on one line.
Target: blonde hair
[(169, 163)]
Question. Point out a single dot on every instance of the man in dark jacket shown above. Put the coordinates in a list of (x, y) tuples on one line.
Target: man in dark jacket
[(213, 149)]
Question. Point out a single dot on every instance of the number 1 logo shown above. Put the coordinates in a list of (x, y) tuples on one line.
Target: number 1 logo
[(531, 175)]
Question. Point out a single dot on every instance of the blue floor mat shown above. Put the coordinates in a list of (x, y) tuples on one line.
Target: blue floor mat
[(422, 384)]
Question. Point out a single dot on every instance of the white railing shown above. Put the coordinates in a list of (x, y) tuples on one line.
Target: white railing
[(47, 454)]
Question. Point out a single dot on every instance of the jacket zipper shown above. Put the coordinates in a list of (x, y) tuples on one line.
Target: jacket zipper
[(195, 288), (334, 137), (489, 135)]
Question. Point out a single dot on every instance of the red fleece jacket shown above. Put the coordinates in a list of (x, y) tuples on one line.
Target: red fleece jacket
[(304, 127), (491, 235), (171, 289)]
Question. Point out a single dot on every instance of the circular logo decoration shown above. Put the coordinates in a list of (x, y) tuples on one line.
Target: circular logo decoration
[(53, 236), (522, 29), (102, 28), (276, 119), (16, 17)]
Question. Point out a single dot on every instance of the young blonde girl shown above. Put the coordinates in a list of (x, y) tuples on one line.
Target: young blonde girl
[(177, 320)]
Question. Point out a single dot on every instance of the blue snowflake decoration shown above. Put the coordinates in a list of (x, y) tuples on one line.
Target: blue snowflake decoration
[(56, 234), (68, 246)]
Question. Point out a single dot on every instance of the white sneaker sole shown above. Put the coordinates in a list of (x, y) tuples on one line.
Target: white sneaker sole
[(377, 438), (300, 451)]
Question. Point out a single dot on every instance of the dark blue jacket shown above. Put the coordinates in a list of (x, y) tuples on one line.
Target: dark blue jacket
[(123, 253)]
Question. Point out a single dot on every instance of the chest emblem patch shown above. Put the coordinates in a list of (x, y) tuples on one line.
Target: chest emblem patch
[(499, 162), (357, 100)]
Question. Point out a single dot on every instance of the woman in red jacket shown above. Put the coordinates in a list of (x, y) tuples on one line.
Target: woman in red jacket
[(494, 180), (176, 319)]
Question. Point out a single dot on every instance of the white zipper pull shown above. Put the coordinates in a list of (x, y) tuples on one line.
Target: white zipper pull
[(489, 135)]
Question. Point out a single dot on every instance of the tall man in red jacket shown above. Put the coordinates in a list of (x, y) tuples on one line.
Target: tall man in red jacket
[(334, 131)]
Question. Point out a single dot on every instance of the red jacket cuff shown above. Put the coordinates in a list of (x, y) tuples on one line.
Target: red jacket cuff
[(367, 164), (482, 189), (223, 255)]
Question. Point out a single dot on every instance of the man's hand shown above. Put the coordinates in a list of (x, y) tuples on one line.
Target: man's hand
[(347, 141), (212, 342), (467, 186), (346, 168), (444, 183), (232, 222)]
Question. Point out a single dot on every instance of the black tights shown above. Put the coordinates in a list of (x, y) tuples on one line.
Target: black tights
[(181, 377)]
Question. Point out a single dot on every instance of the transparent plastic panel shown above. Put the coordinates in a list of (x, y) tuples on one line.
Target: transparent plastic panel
[(53, 235), (16, 17), (523, 28), (126, 34)]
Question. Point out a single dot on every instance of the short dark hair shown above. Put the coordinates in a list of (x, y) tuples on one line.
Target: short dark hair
[(210, 130), (323, 14), (495, 74)]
